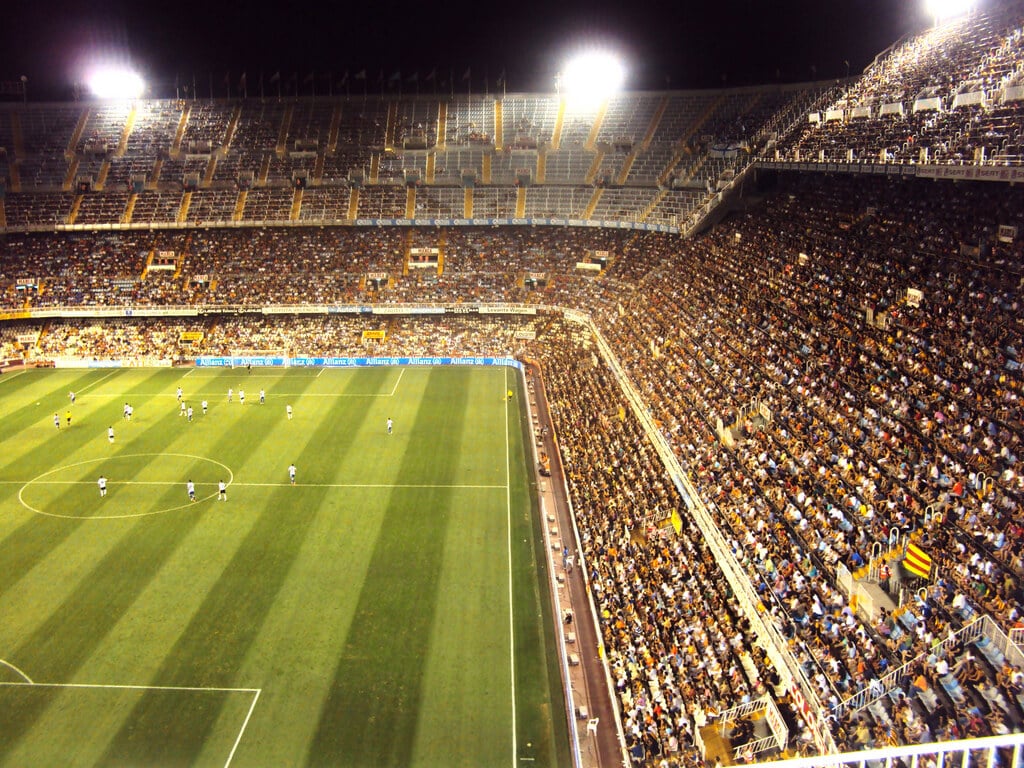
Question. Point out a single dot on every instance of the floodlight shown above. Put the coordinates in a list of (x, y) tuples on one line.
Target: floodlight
[(946, 9), (112, 83), (592, 76)]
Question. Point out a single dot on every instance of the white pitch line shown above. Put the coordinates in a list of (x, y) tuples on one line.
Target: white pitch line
[(238, 739), (237, 484), (200, 393), (101, 378), (105, 686), (8, 664), (13, 375), (190, 372), (394, 389), (374, 485), (511, 614), (321, 372)]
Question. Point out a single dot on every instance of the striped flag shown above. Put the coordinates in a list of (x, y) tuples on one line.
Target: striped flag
[(917, 561)]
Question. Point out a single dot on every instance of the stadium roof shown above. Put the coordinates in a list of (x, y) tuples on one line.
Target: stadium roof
[(680, 45)]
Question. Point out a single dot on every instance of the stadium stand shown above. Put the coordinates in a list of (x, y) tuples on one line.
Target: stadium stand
[(834, 367)]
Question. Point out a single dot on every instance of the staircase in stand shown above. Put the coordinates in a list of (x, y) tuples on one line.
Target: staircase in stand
[(592, 205), (69, 179), (653, 204), (282, 135), (76, 137), (595, 166), (332, 133), (158, 166), (441, 242), (521, 203), (595, 129), (74, 208), (129, 126), (129, 209), (442, 122), (240, 205), (186, 201), (556, 134), (498, 128), (179, 135)]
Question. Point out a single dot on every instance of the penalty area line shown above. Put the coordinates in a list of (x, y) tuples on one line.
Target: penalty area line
[(13, 375), (93, 384), (254, 692), (394, 389), (201, 393), (241, 731), (115, 687)]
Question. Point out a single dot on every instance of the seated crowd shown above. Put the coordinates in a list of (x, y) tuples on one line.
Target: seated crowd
[(880, 420), (946, 95)]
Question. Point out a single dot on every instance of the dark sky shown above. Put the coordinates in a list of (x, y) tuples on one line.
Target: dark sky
[(705, 44)]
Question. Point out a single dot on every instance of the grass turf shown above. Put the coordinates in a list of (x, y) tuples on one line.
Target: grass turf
[(363, 617)]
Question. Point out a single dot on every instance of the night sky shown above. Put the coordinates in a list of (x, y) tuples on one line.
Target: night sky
[(679, 45)]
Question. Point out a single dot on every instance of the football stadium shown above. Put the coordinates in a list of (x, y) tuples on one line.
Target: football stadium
[(660, 428)]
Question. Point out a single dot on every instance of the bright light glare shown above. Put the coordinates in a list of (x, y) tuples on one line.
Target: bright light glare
[(592, 76), (109, 83), (945, 9)]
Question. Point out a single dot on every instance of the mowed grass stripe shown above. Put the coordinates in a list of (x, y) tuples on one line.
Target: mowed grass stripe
[(541, 724), (466, 711), (19, 395), (77, 626), (31, 542), (370, 717), (228, 621), (294, 648)]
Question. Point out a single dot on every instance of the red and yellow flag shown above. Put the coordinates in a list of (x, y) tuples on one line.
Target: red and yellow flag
[(917, 561)]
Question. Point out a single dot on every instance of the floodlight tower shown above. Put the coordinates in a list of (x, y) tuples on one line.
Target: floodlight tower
[(941, 10), (116, 83), (591, 76)]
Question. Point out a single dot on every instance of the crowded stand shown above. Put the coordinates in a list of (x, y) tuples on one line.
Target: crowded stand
[(948, 95), (882, 414), (221, 161), (834, 367)]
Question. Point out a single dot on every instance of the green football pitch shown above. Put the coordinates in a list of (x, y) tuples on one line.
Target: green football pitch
[(388, 609)]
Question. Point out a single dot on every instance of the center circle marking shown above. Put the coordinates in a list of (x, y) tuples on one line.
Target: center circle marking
[(39, 479)]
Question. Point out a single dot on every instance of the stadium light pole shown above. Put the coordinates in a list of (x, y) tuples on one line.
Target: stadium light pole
[(591, 76), (940, 10), (115, 83)]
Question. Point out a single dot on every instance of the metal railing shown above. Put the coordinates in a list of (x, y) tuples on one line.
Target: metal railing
[(775, 645), (987, 752), (891, 680)]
